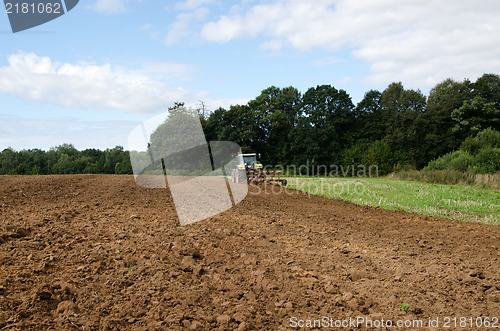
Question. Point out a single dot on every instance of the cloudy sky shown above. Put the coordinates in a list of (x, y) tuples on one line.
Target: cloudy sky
[(93, 74)]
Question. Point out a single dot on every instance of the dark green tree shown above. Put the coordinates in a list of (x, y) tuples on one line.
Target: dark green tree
[(241, 126), (8, 161), (488, 88), (475, 116), (405, 129), (381, 155), (328, 120), (214, 125), (277, 112), (369, 123), (64, 165), (443, 99)]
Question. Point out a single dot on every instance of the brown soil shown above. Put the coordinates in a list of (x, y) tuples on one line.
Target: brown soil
[(98, 252)]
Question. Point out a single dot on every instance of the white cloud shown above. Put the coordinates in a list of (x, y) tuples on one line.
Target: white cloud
[(89, 86), (419, 42), (162, 70), (111, 6), (191, 17), (150, 30), (192, 4), (326, 61), (184, 25), (272, 45)]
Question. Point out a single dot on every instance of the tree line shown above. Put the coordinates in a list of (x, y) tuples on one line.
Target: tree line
[(65, 159), (394, 129)]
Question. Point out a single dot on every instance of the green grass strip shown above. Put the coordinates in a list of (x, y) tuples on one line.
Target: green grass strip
[(450, 201)]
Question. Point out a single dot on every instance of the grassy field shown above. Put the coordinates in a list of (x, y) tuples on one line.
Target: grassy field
[(450, 201)]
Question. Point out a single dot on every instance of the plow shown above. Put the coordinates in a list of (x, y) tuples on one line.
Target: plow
[(249, 169)]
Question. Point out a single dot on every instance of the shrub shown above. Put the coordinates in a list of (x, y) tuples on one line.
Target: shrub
[(480, 154), (488, 138), (470, 145), (450, 177), (380, 154), (460, 161), (441, 163), (487, 160), (354, 154), (398, 167)]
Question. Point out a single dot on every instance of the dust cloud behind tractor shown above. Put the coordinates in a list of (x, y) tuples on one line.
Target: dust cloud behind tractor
[(26, 14)]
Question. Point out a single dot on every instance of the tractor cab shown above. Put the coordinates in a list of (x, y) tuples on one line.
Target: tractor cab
[(250, 161), (249, 169)]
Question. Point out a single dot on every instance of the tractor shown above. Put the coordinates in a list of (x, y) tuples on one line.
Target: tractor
[(249, 168)]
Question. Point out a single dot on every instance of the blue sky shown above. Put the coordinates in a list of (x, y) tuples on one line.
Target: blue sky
[(91, 75)]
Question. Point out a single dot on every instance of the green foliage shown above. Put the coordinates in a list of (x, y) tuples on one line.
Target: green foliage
[(448, 177), (443, 99), (456, 127), (402, 115), (404, 307), (488, 138), (487, 160), (488, 88), (462, 202), (461, 161), (439, 164), (324, 127), (369, 117), (480, 154), (277, 112), (64, 159), (179, 145), (356, 154), (64, 165), (380, 154), (476, 115)]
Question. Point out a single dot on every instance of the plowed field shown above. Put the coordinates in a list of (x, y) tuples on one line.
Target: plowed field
[(98, 252)]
